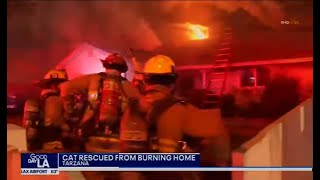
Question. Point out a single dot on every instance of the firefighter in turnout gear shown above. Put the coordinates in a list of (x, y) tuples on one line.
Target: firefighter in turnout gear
[(44, 118), (108, 95), (171, 120), (161, 122)]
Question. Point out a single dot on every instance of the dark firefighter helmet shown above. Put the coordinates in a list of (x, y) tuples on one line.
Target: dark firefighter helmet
[(115, 61)]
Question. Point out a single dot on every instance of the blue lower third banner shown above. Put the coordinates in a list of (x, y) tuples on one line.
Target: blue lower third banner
[(51, 163)]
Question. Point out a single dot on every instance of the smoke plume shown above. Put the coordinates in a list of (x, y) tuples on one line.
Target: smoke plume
[(269, 13), (105, 23), (39, 29), (117, 24)]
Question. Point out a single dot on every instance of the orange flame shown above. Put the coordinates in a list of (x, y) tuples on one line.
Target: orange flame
[(196, 31)]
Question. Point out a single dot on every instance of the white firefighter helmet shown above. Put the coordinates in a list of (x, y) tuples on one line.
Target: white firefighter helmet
[(57, 74), (53, 76)]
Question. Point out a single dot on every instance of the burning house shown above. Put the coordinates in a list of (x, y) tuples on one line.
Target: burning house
[(221, 63), (232, 66)]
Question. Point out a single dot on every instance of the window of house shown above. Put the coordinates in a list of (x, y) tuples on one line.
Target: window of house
[(248, 78), (259, 76)]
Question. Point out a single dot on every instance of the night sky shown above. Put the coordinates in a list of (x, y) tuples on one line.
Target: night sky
[(40, 34)]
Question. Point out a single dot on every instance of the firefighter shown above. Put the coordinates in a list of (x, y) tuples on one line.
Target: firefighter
[(44, 119), (170, 119), (108, 94)]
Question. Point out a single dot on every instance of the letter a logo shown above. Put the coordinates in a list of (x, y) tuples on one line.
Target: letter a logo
[(44, 164)]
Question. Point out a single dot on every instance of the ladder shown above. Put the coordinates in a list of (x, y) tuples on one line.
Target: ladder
[(217, 77)]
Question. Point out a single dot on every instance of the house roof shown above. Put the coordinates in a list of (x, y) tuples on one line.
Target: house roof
[(84, 59), (249, 63), (82, 48), (261, 46), (266, 47)]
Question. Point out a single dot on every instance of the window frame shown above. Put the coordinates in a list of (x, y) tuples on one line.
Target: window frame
[(255, 81)]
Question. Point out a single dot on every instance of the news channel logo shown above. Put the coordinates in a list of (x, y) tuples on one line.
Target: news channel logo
[(39, 164), (289, 22), (40, 159)]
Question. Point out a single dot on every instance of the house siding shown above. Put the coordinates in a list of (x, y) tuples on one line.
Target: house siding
[(303, 72)]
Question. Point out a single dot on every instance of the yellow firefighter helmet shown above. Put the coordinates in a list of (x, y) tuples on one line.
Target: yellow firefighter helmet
[(53, 76), (159, 64)]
